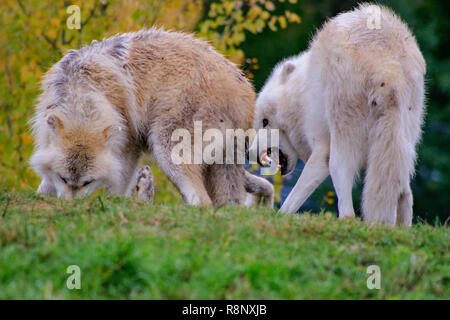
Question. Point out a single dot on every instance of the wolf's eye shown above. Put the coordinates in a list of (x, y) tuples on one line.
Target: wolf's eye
[(63, 179), (265, 122), (87, 182)]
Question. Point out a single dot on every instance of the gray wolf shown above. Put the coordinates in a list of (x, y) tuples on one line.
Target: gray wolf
[(105, 104)]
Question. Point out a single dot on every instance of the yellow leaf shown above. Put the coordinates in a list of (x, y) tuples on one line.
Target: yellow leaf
[(272, 22), (265, 15), (52, 33), (292, 17), (55, 22), (270, 6), (26, 138), (24, 73), (283, 22)]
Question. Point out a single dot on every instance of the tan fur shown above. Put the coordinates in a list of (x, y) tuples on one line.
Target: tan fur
[(354, 99), (126, 95)]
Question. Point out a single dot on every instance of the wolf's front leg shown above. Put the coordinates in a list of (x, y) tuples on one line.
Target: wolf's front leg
[(187, 178), (123, 181), (47, 188), (313, 174), (189, 182)]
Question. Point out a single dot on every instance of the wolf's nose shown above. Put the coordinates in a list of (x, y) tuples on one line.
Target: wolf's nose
[(74, 190)]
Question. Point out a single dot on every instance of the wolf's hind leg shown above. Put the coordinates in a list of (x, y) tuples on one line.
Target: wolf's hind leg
[(225, 184), (344, 165), (46, 188), (252, 200), (404, 208), (258, 188), (190, 184), (188, 179)]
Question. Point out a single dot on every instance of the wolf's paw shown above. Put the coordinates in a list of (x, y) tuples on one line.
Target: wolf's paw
[(144, 184), (46, 188), (346, 215)]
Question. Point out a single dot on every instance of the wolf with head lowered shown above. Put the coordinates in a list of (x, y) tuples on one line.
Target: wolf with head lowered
[(105, 104)]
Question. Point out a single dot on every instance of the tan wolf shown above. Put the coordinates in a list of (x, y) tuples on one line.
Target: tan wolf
[(105, 104), (354, 99)]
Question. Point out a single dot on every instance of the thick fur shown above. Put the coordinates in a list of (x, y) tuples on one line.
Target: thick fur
[(105, 104), (354, 99)]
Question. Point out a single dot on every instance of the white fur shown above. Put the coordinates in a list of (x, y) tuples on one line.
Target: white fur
[(354, 99)]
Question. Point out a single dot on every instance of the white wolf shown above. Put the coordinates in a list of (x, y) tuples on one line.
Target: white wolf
[(354, 99)]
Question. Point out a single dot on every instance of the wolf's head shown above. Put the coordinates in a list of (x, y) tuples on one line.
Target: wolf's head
[(77, 142), (275, 109), (79, 131)]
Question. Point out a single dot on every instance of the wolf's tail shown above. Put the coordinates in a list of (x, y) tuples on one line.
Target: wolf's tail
[(391, 154)]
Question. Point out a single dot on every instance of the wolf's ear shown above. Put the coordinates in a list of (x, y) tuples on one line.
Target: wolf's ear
[(110, 131), (107, 132), (55, 124), (288, 68)]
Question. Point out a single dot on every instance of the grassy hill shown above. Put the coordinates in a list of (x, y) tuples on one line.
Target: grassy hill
[(127, 249)]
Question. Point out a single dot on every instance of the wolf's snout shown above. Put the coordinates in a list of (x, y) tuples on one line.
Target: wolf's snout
[(268, 157), (264, 159)]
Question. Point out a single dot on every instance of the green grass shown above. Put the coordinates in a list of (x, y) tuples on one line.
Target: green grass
[(127, 249)]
